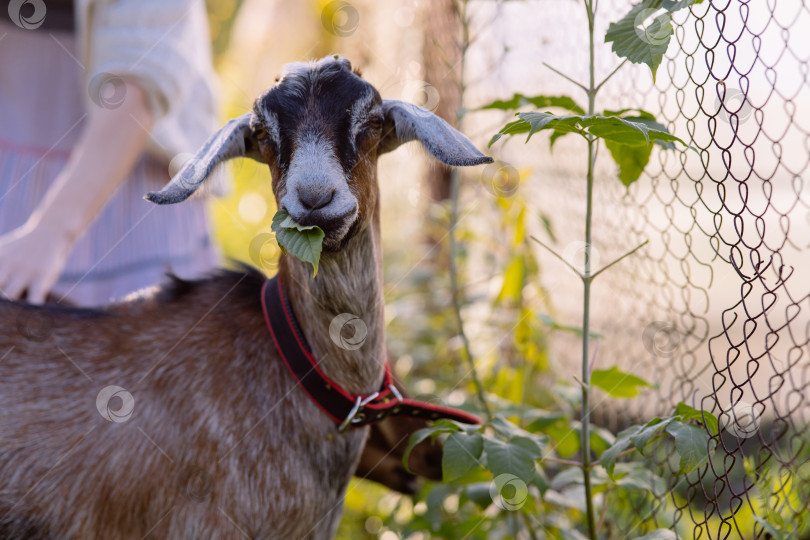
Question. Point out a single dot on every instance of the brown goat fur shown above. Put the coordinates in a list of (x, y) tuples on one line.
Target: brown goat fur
[(220, 442), (207, 424)]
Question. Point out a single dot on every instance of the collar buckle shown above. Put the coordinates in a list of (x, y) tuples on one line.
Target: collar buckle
[(396, 392), (356, 415)]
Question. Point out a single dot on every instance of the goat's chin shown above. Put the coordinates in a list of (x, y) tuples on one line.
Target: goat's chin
[(332, 244), (337, 239)]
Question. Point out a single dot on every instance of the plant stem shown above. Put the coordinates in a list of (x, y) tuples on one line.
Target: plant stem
[(604, 514), (620, 259), (612, 73), (455, 177), (454, 292), (586, 295), (560, 257), (563, 461), (564, 76)]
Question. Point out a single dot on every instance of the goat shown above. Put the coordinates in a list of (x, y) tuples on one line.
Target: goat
[(171, 415)]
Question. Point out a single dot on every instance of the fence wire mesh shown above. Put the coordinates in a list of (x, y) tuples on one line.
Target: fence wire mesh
[(738, 80), (715, 309)]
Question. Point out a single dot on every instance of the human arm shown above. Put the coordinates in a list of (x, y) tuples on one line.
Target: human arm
[(33, 255)]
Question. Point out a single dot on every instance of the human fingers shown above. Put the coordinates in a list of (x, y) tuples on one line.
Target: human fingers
[(15, 286), (37, 291), (5, 276), (39, 288)]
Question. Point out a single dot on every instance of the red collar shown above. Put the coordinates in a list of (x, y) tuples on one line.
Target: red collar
[(344, 408)]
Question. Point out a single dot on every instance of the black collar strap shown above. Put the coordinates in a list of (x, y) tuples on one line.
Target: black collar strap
[(345, 409)]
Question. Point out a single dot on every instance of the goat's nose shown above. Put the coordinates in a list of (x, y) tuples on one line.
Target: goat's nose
[(315, 197)]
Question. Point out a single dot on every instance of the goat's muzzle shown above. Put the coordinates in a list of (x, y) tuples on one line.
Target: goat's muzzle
[(334, 214)]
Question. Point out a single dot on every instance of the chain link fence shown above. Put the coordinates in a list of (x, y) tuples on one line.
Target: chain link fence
[(715, 310)]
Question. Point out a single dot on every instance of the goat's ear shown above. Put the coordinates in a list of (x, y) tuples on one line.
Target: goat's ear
[(233, 140), (407, 122)]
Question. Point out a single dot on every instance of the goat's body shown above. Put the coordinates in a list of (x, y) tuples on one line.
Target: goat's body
[(213, 447), (221, 442)]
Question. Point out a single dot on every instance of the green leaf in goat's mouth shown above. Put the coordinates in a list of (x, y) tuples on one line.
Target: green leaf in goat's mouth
[(301, 241)]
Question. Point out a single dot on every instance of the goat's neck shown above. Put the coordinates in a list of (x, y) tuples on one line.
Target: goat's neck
[(348, 281)]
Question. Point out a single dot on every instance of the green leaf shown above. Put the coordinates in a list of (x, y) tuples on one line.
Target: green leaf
[(433, 431), (519, 100), (548, 226), (564, 124), (301, 241), (515, 457), (510, 431), (512, 128), (572, 476), (513, 279), (540, 480), (617, 383), (507, 429), (566, 440), (636, 131), (655, 426), (461, 454), (691, 443), (637, 113), (688, 413), (638, 477), (631, 130), (631, 160), (659, 534), (623, 442), (543, 421), (568, 498), (554, 136), (651, 123), (643, 35), (770, 529), (478, 493), (601, 439)]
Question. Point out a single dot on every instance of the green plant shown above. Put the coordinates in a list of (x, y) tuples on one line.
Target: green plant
[(528, 448)]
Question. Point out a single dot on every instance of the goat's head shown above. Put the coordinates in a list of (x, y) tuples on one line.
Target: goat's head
[(320, 129)]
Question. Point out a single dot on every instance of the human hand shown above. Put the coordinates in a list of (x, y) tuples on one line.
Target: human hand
[(31, 259)]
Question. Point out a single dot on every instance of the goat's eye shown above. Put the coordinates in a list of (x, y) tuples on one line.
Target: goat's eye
[(260, 133), (375, 122)]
